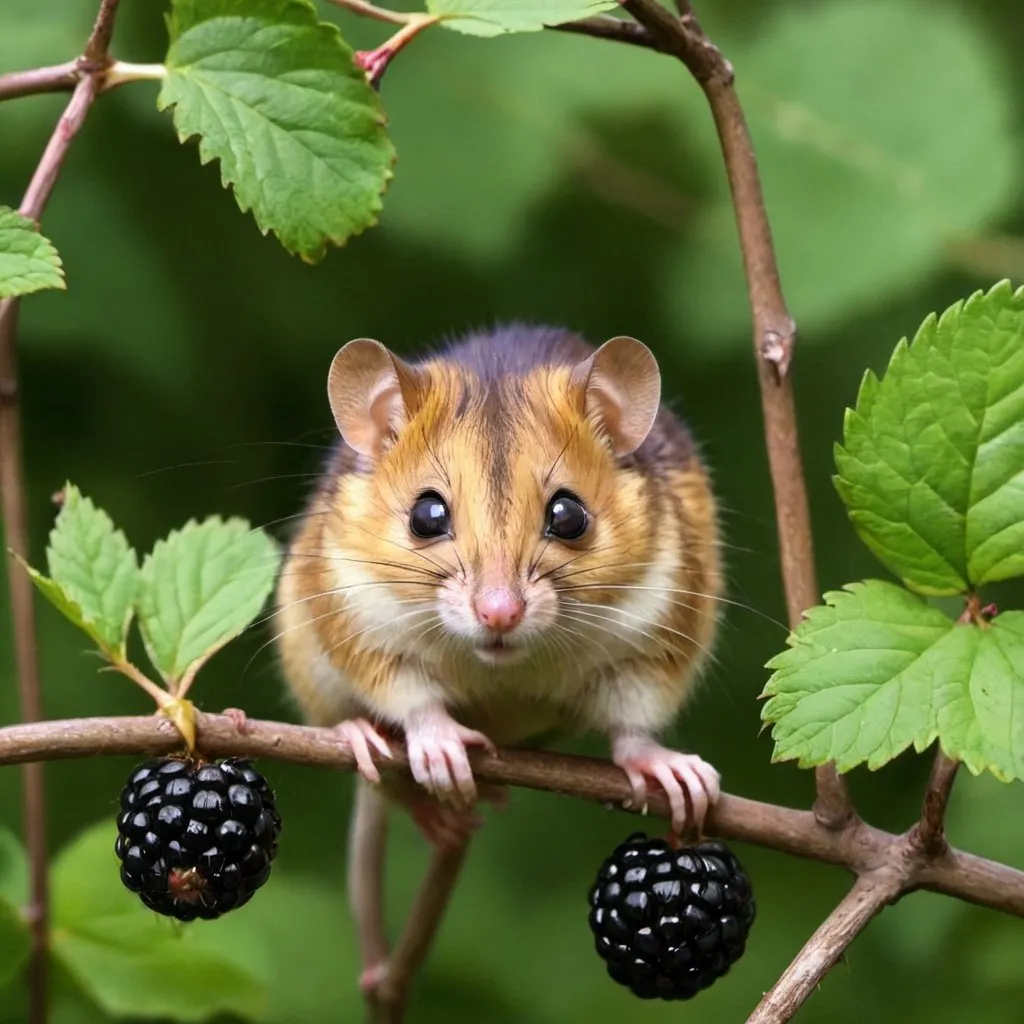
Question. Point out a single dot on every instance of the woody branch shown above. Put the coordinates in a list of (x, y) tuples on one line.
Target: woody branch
[(861, 849)]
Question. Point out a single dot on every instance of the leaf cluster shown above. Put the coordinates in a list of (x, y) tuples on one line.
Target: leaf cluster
[(931, 469), (198, 588)]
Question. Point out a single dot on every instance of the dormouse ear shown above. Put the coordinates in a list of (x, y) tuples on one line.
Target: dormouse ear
[(367, 387), (623, 391)]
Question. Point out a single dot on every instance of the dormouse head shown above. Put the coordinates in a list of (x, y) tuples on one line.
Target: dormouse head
[(498, 501)]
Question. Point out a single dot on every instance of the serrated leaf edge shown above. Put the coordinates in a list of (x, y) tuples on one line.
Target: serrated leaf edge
[(310, 256)]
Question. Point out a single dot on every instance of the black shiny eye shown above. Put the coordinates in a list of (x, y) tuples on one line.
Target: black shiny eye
[(430, 516), (567, 518)]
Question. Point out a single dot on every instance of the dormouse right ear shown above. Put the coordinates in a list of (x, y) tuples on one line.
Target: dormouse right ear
[(368, 388)]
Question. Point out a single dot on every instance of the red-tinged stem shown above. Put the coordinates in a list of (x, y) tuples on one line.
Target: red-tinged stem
[(375, 62)]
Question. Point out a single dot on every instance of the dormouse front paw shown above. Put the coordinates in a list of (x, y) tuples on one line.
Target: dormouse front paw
[(689, 781), (357, 735), (437, 756)]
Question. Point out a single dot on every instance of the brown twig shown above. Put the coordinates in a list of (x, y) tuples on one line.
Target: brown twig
[(605, 26), (774, 330), (96, 54), (930, 832), (15, 518), (859, 848), (389, 1000), (85, 73), (869, 895), (57, 78)]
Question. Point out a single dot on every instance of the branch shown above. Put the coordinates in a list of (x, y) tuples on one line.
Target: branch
[(56, 78), (929, 834), (774, 329), (86, 73), (97, 50), (605, 26), (869, 895), (859, 848)]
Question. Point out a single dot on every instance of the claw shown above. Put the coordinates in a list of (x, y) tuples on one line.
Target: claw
[(437, 756), (357, 735), (689, 782)]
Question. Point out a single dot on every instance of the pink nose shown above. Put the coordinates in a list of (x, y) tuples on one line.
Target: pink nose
[(499, 610)]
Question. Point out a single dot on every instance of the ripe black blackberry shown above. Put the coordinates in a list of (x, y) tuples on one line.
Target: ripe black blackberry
[(669, 923), (196, 838)]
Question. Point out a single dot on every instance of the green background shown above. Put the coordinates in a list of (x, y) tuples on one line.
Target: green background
[(554, 179)]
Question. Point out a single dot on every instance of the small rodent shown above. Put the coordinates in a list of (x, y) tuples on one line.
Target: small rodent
[(513, 539)]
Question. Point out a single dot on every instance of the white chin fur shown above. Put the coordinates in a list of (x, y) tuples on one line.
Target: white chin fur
[(500, 655)]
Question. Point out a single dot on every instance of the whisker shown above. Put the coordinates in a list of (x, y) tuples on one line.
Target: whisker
[(674, 590), (305, 622), (337, 591), (378, 625), (371, 561), (657, 625), (589, 618)]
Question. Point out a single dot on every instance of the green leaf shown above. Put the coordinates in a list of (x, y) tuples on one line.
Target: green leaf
[(494, 17), (200, 588), (876, 670), (14, 937), (94, 572), (276, 97), (932, 462), (132, 962), (869, 117), (28, 261)]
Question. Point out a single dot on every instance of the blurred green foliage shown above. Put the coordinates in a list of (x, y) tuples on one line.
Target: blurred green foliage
[(548, 178)]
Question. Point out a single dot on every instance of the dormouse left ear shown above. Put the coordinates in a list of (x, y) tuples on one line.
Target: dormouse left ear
[(623, 391)]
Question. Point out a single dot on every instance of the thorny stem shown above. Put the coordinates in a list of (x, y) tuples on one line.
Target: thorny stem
[(774, 331), (389, 1000), (869, 895), (13, 498)]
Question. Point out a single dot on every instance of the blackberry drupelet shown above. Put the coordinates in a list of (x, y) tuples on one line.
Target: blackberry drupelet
[(196, 838), (668, 923)]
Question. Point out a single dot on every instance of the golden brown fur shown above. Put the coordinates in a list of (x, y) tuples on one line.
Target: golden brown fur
[(357, 593)]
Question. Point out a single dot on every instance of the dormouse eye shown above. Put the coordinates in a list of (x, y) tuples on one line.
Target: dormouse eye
[(430, 516), (567, 519)]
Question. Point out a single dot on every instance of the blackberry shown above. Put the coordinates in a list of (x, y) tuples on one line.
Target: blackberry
[(667, 922), (196, 838)]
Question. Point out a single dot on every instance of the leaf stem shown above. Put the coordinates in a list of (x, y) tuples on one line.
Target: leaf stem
[(866, 899), (162, 698), (368, 10), (774, 331), (375, 62), (122, 71)]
